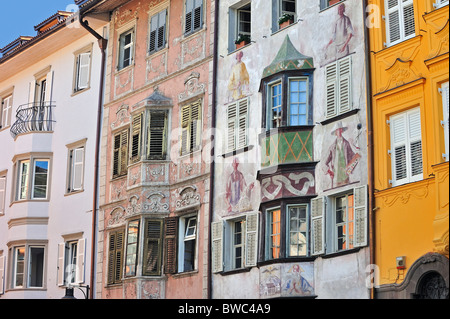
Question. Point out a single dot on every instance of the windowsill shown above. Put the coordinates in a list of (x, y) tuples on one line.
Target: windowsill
[(4, 128), (331, 6), (29, 201), (186, 37), (235, 271), (340, 116), (123, 70), (185, 274), (74, 192), (239, 49), (403, 42), (341, 253), (238, 151), (157, 52), (285, 28), (286, 260), (75, 93)]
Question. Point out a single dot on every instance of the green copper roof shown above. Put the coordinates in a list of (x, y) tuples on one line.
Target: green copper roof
[(288, 58)]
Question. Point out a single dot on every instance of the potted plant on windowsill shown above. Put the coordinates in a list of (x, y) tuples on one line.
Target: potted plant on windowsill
[(285, 20), (242, 40)]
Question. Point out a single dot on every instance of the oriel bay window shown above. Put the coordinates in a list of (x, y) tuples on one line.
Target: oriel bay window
[(27, 265), (32, 178)]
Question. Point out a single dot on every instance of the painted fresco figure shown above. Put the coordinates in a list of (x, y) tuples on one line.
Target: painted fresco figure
[(341, 158), (236, 187), (342, 33), (239, 79), (297, 284)]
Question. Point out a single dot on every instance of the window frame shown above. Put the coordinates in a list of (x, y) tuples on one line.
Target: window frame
[(289, 100), (270, 248), (77, 87), (277, 12), (157, 16), (72, 170), (29, 184), (27, 265), (193, 128), (183, 237), (3, 185), (401, 21), (6, 111), (305, 206), (120, 153), (346, 223), (132, 253), (122, 47), (270, 108)]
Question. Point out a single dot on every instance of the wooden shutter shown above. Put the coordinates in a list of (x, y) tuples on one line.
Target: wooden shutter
[(153, 247), (191, 127), (136, 138), (251, 243), (157, 135), (170, 256), (162, 29), (195, 125), (242, 123), (198, 15), (78, 168), (2, 275), (408, 18), (153, 34), (217, 246), (80, 266), (115, 256), (445, 105), (331, 89), (120, 157), (231, 133), (415, 144), (185, 129), (398, 148), (6, 108), (360, 208), (188, 16), (345, 92), (318, 226), (84, 64), (61, 264), (2, 194)]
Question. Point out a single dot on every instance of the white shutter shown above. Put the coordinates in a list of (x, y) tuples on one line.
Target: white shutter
[(6, 112), (2, 194), (400, 21), (318, 226), (78, 168), (242, 123), (49, 87), (409, 24), (345, 92), (217, 247), (360, 209), (445, 104), (251, 244), (84, 64), (415, 144), (81, 252), (31, 92), (331, 89), (61, 263), (440, 3), (2, 275), (398, 144), (231, 124)]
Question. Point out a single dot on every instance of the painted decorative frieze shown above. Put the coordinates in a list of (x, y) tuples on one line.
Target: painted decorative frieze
[(188, 197), (156, 67), (157, 202), (288, 185)]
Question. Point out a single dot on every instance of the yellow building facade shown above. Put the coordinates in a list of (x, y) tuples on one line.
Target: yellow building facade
[(409, 66)]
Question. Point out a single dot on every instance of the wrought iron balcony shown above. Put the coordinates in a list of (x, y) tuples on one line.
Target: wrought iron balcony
[(33, 117)]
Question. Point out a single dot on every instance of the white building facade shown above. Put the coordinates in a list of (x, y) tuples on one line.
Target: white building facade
[(49, 90)]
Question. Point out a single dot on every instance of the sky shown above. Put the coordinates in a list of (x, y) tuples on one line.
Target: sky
[(18, 17)]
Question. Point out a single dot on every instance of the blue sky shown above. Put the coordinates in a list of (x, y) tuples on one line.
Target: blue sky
[(18, 17)]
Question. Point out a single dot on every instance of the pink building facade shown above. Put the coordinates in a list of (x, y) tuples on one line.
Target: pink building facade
[(155, 168)]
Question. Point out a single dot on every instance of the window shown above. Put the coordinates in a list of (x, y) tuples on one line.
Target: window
[(406, 147), (158, 31), (339, 222), (115, 256), (326, 3), (281, 7), (237, 118), (235, 243), (440, 3), (400, 24), (298, 231), (120, 154), (338, 87), (274, 234), (132, 248), (239, 24), (298, 102), (82, 71), (275, 99), (32, 181), (28, 266), (136, 136), (75, 169), (187, 244), (193, 16), (445, 110), (71, 261), (191, 127), (2, 193), (157, 135), (126, 49), (6, 110)]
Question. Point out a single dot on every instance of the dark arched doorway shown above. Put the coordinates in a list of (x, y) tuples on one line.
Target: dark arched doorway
[(432, 286)]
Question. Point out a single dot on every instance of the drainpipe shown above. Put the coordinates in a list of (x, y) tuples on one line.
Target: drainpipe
[(102, 43), (213, 126), (370, 161)]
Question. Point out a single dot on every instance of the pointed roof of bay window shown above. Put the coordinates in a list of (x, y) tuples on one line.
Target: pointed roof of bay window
[(288, 58)]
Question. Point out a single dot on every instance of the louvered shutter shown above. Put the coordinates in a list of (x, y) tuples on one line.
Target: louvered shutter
[(193, 16), (415, 140), (242, 123), (61, 263), (217, 247), (318, 226), (162, 29), (345, 92), (6, 112), (157, 131), (231, 133), (445, 104), (80, 266), (115, 257), (398, 136), (198, 15), (153, 34), (153, 247), (251, 243), (2, 275), (170, 239), (331, 89), (2, 194), (408, 18), (360, 224), (188, 16), (84, 63), (195, 125), (136, 138), (185, 129), (78, 167), (120, 156)]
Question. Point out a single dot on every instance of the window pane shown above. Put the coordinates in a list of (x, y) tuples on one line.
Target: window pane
[(189, 255), (19, 266), (23, 179), (132, 241), (40, 179), (274, 233), (36, 268), (238, 245), (297, 231)]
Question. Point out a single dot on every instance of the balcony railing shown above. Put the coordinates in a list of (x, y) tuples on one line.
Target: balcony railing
[(33, 117)]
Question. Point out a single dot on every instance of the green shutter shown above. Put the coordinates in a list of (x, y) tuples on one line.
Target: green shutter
[(115, 256), (170, 256)]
